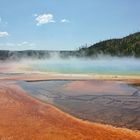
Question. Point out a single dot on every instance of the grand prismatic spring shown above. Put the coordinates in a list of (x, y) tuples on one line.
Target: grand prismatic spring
[(69, 70)]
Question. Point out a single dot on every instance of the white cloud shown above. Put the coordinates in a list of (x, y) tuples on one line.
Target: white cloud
[(65, 21), (21, 44), (25, 43), (4, 34), (44, 19)]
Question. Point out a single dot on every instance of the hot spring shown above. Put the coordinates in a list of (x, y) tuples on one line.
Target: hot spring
[(107, 66)]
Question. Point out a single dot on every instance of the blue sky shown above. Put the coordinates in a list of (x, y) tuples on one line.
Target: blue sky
[(65, 24)]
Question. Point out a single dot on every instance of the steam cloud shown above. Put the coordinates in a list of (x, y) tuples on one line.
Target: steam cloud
[(56, 63)]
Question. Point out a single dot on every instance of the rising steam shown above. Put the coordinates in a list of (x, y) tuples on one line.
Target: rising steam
[(57, 64)]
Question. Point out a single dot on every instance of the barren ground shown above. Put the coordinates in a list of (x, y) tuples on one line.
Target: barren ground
[(25, 118)]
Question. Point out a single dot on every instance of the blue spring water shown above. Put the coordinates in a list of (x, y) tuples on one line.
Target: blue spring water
[(120, 66)]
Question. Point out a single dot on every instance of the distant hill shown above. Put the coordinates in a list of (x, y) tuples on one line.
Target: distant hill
[(127, 46)]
